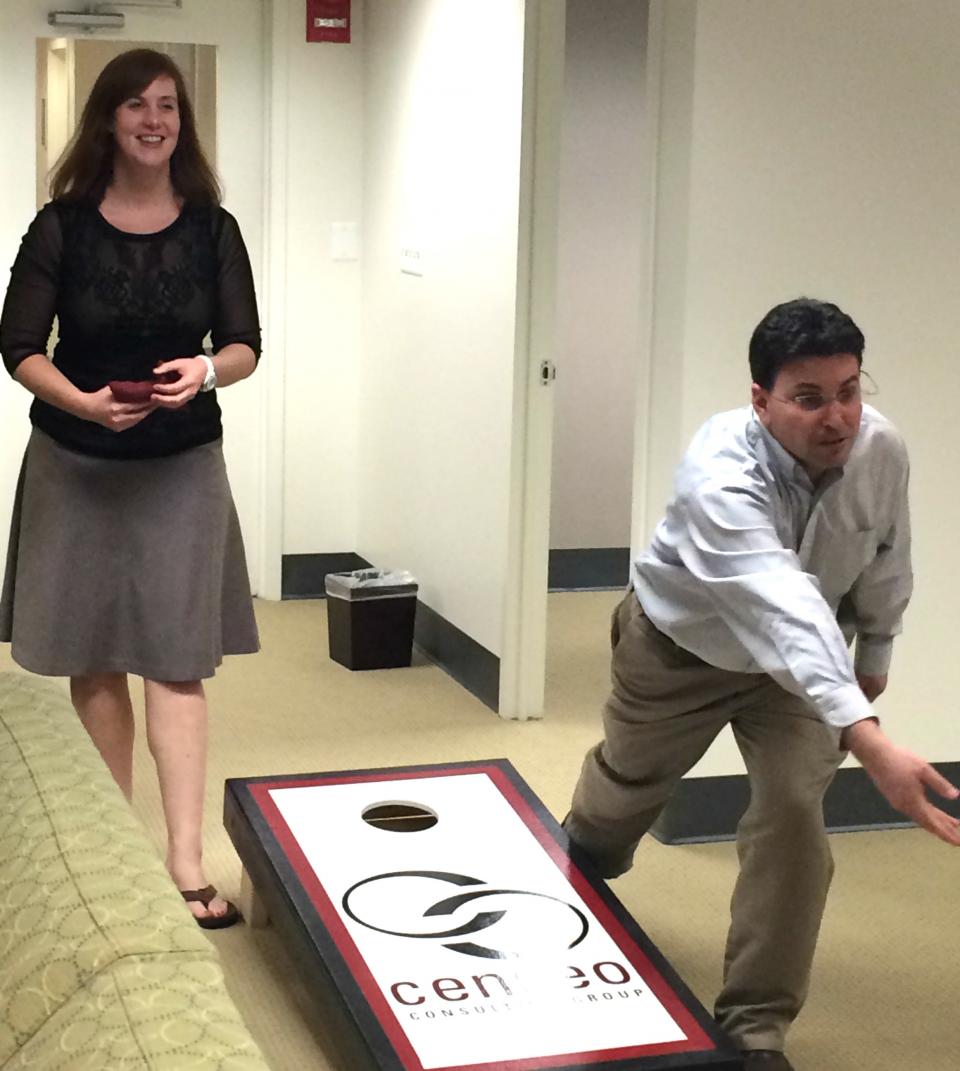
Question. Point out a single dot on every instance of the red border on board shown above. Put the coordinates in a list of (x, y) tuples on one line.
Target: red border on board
[(696, 1038)]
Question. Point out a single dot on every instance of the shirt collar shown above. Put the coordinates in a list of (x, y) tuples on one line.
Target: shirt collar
[(781, 461)]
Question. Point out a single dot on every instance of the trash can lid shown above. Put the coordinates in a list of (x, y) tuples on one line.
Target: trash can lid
[(370, 584)]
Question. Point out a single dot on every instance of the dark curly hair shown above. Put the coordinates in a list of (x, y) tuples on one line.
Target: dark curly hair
[(801, 328), (86, 167)]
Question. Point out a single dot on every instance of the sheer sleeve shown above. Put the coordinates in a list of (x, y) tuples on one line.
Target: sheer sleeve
[(31, 300), (236, 319)]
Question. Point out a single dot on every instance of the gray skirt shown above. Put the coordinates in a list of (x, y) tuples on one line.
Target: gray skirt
[(132, 566)]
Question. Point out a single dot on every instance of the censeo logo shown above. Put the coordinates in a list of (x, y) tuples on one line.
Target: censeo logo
[(394, 903), (531, 931)]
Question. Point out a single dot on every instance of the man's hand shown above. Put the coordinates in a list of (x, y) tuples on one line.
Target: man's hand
[(902, 777), (872, 685)]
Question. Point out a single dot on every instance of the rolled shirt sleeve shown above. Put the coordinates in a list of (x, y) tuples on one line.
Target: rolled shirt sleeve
[(774, 609)]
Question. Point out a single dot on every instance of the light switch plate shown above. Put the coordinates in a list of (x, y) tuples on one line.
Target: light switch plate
[(411, 258), (344, 241)]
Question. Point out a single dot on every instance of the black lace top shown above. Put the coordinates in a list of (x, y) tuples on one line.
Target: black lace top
[(123, 303)]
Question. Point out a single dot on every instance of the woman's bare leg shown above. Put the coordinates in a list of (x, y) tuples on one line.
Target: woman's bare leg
[(177, 736), (102, 701)]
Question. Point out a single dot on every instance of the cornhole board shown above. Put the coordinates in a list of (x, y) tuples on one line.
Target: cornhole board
[(455, 927)]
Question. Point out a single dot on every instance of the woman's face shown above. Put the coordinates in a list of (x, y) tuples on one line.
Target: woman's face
[(146, 126)]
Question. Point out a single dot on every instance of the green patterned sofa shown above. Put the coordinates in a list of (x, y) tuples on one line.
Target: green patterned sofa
[(102, 967)]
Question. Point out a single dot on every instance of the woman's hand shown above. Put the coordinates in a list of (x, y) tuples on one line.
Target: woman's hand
[(101, 407), (190, 373)]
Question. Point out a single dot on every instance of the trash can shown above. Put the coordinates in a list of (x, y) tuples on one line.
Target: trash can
[(370, 618)]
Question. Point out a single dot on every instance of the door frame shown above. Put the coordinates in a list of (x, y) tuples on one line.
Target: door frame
[(523, 658), (276, 92)]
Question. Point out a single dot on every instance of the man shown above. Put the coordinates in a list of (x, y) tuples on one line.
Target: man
[(787, 537)]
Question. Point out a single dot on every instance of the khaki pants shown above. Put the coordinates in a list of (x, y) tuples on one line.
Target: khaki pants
[(665, 709)]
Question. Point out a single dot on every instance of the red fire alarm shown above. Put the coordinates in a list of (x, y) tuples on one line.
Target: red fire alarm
[(328, 20)]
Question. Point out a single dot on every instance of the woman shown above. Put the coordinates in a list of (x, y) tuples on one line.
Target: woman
[(125, 553)]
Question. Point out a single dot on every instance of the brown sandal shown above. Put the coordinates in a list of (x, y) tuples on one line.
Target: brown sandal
[(211, 922)]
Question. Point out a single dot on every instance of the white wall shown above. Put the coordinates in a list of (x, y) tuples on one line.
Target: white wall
[(441, 173), (322, 309), (810, 149), (601, 247)]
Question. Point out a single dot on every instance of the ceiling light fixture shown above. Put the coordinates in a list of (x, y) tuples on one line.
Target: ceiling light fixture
[(94, 18), (88, 21)]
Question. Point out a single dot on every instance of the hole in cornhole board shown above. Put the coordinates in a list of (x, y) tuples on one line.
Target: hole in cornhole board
[(399, 816)]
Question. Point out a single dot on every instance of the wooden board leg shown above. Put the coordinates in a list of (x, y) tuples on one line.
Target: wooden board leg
[(251, 903)]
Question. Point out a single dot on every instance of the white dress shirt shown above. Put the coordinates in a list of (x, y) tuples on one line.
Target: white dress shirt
[(756, 569)]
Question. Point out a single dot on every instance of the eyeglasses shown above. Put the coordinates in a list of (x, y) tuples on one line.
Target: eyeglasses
[(849, 395)]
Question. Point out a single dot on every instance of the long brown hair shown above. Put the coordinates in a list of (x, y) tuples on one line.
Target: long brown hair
[(86, 167)]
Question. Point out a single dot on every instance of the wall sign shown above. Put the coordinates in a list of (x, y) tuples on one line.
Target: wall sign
[(328, 20)]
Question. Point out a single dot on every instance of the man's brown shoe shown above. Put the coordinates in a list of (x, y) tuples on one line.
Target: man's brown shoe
[(765, 1060)]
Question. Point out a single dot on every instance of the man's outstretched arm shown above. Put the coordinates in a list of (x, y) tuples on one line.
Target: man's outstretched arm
[(902, 778)]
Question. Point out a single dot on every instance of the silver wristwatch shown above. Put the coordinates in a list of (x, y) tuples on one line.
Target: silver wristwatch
[(210, 379)]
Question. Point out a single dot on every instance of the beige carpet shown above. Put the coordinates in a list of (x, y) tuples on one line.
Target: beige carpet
[(888, 971)]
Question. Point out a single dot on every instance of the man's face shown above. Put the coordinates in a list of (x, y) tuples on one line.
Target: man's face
[(813, 410)]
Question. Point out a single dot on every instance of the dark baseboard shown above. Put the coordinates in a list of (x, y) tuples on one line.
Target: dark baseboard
[(589, 569), (709, 808), (302, 575), (468, 662)]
